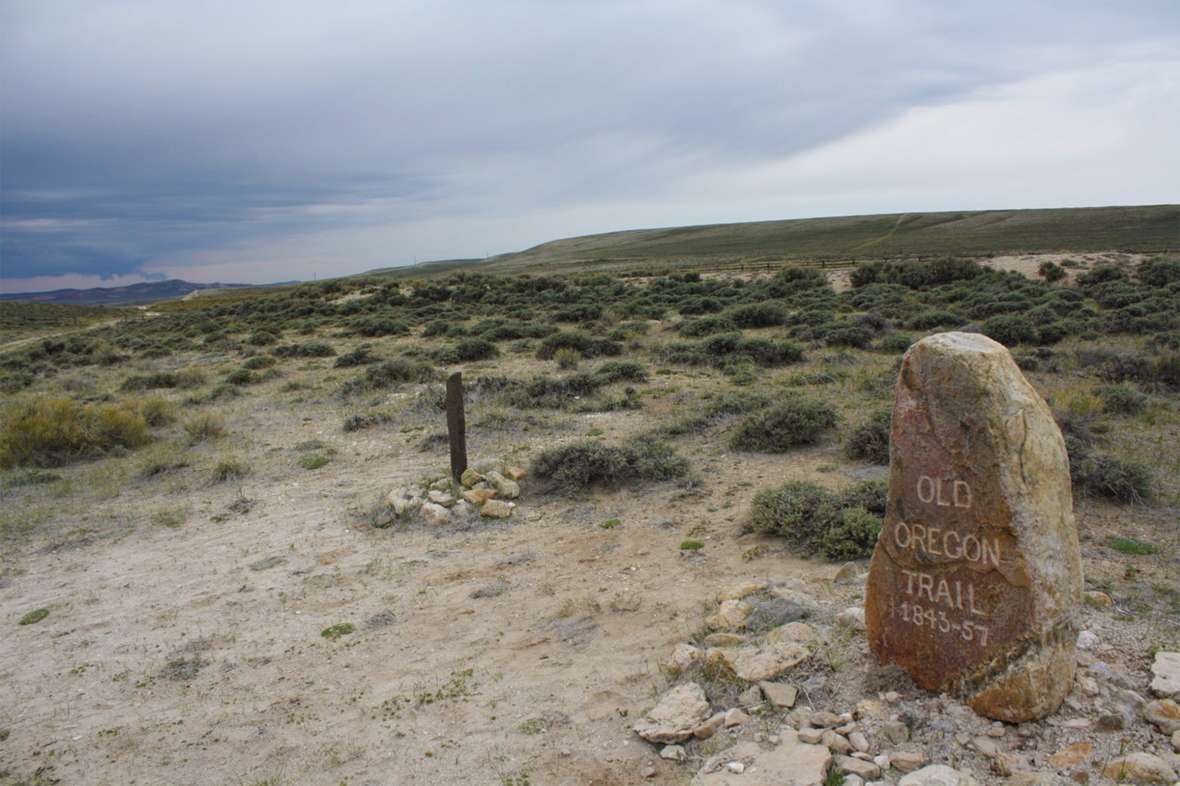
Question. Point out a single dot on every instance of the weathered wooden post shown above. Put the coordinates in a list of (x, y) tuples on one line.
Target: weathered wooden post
[(456, 425)]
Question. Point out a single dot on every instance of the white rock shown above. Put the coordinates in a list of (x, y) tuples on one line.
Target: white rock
[(685, 656), (755, 664), (1166, 675), (780, 694), (496, 509), (1087, 640), (735, 717), (509, 489), (434, 513), (678, 712), (673, 753), (852, 618), (859, 741), (937, 775), (441, 498), (736, 767)]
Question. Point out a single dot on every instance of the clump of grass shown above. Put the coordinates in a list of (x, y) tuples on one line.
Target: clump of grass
[(310, 349), (33, 617), (1131, 546), (611, 523), (172, 518), (567, 358), (313, 461), (203, 427), (870, 440), (156, 410), (814, 520), (258, 362), (333, 632), (229, 468), (575, 468), (789, 424), (50, 432), (162, 457), (691, 545)]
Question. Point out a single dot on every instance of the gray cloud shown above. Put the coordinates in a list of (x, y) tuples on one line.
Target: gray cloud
[(144, 136)]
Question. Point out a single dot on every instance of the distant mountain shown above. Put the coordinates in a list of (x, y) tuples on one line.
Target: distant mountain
[(132, 294)]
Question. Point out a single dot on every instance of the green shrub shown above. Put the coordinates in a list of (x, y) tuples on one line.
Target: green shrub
[(361, 355), (583, 343), (1011, 329), (870, 440), (156, 381), (311, 349), (757, 315), (389, 374), (258, 362), (1118, 479), (852, 535), (262, 338), (799, 512), (190, 377), (468, 350), (895, 343), (1050, 271), (577, 467), (49, 432), (374, 326), (814, 520), (241, 376), (707, 326), (1121, 399), (789, 424)]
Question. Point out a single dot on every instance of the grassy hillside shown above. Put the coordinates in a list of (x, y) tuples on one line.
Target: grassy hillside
[(18, 319), (850, 238)]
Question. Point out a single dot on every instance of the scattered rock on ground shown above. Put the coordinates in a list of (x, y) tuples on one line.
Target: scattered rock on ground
[(780, 694), (1165, 714), (434, 513), (679, 711), (1166, 675), (1139, 767), (754, 664), (790, 763), (937, 775), (852, 618)]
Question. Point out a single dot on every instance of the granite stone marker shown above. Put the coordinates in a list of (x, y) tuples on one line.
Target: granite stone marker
[(976, 576)]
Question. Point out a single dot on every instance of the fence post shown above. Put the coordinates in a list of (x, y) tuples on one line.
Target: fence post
[(456, 425)]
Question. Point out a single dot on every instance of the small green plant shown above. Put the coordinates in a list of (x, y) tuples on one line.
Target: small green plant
[(203, 427), (33, 617), (171, 518), (1131, 546), (333, 632), (156, 410), (611, 523), (814, 520), (575, 468), (1121, 399), (313, 460), (691, 545)]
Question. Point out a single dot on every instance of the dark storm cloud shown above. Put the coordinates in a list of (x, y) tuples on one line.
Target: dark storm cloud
[(137, 132)]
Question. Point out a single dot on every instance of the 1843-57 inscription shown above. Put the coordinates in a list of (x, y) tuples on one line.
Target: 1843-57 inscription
[(977, 574)]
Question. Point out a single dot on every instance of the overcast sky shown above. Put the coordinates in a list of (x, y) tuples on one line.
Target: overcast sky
[(255, 141)]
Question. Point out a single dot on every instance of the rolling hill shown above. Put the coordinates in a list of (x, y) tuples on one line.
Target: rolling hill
[(1150, 228), (132, 294)]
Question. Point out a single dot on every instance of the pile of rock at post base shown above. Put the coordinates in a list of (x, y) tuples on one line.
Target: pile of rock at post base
[(753, 700), (976, 579), (486, 493)]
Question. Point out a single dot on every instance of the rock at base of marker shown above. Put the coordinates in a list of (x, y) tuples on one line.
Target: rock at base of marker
[(674, 717), (976, 578)]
